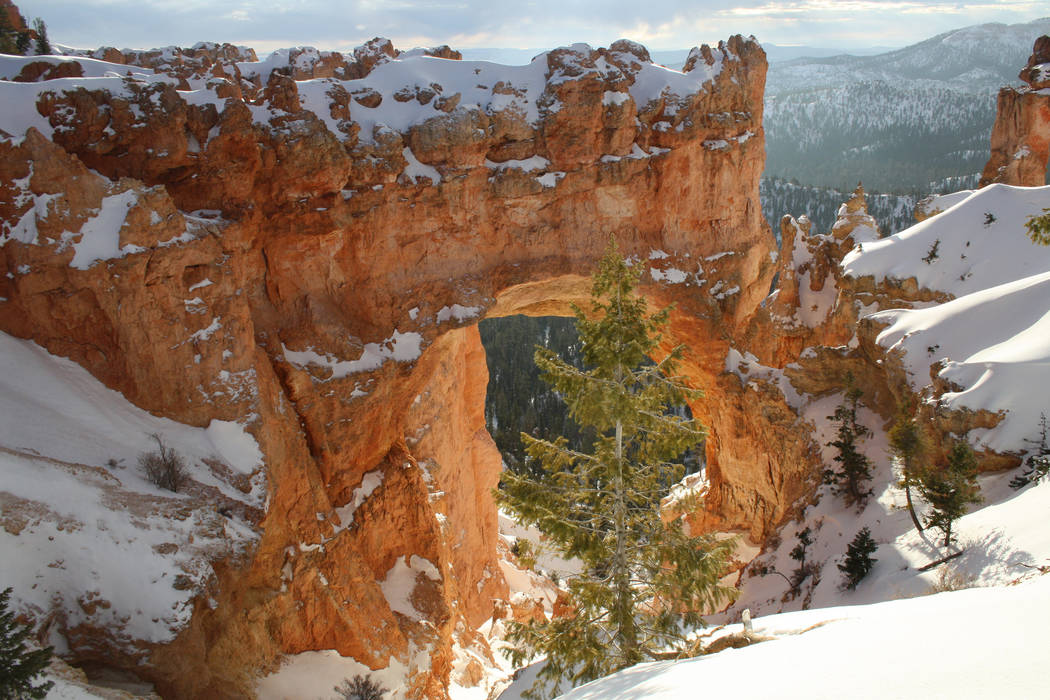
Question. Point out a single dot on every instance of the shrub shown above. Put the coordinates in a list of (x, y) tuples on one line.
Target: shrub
[(360, 688), (18, 665), (525, 551), (951, 579), (164, 467)]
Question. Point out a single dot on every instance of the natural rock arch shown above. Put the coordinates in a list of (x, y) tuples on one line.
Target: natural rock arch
[(276, 267)]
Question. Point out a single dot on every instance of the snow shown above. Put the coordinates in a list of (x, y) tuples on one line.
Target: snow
[(314, 674), (671, 275), (400, 582), (972, 255), (18, 107), (995, 368), (400, 347), (100, 235), (416, 171), (369, 483), (996, 281), (457, 312), (525, 164), (95, 538), (944, 655)]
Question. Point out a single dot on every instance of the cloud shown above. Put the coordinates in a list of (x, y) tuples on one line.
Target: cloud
[(537, 24)]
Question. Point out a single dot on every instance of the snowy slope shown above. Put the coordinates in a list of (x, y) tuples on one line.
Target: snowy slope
[(979, 643), (94, 541), (993, 338)]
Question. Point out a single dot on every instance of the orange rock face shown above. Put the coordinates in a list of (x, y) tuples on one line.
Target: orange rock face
[(239, 246), (1021, 135)]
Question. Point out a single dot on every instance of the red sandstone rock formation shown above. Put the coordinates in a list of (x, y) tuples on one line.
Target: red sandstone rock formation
[(341, 264), (344, 235), (1021, 135)]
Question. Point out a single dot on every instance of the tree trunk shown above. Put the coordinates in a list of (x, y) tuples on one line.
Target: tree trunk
[(911, 507)]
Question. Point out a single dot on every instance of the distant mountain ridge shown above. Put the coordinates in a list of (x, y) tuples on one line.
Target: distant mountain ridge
[(675, 58), (899, 121), (977, 59)]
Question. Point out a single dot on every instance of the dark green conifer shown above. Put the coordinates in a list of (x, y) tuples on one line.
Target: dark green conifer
[(18, 665), (950, 489), (644, 581), (1037, 465), (43, 46), (854, 467), (799, 555), (858, 560)]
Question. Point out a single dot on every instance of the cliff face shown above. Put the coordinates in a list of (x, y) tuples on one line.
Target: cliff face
[(1021, 135), (304, 244)]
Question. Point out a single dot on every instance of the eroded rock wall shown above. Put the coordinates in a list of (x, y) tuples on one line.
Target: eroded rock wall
[(304, 246)]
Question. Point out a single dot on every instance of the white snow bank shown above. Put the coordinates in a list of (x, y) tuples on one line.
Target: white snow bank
[(994, 344), (978, 643), (314, 674), (973, 252), (92, 536), (992, 339)]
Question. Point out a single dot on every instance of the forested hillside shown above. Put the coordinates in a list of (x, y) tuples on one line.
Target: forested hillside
[(897, 121), (518, 400)]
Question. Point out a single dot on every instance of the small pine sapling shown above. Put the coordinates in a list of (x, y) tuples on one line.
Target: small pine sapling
[(858, 560), (854, 467), (525, 551), (359, 688), (989, 219), (1038, 464), (799, 555), (908, 446), (18, 665), (950, 489), (932, 253)]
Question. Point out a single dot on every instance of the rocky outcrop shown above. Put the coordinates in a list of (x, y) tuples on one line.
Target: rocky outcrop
[(1021, 135), (218, 238)]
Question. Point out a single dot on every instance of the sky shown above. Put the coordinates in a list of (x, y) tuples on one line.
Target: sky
[(266, 25)]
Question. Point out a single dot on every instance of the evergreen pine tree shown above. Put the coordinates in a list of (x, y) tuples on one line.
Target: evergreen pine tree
[(18, 665), (799, 555), (644, 581), (950, 489), (43, 46), (854, 467), (858, 559), (1038, 464), (907, 443), (22, 43)]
